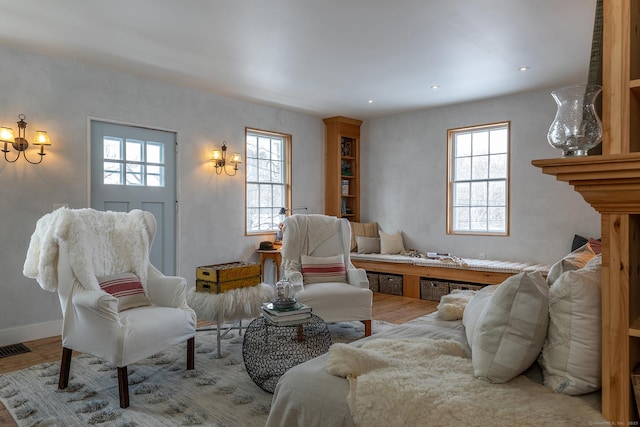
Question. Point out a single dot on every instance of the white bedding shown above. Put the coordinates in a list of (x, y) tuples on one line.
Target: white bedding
[(309, 396)]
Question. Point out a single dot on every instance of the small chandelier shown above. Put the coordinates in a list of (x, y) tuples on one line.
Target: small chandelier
[(219, 159), (20, 143)]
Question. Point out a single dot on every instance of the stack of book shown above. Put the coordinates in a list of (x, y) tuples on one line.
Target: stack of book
[(286, 316)]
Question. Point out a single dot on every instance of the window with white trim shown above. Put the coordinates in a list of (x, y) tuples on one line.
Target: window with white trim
[(268, 180), (478, 180)]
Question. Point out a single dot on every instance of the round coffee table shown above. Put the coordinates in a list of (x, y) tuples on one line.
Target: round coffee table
[(270, 350)]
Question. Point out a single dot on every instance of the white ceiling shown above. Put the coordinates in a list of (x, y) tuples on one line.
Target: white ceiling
[(322, 57)]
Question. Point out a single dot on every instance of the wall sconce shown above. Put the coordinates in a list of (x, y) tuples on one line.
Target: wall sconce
[(20, 143), (219, 159), (283, 211)]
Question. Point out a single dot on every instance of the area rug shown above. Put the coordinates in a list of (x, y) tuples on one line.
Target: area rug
[(162, 392)]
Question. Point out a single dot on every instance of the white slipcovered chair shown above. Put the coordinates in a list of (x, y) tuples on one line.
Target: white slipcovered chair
[(72, 251), (312, 248)]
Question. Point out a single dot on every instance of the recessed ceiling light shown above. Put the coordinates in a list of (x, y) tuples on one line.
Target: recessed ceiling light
[(370, 101), (523, 68), (435, 86)]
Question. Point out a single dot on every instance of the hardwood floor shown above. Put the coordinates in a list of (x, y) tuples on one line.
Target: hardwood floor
[(395, 309), (390, 308)]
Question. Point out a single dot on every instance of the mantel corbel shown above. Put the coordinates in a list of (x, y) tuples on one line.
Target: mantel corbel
[(610, 183)]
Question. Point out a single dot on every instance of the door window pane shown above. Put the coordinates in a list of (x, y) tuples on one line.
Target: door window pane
[(155, 152), (134, 150), (112, 148), (112, 173), (134, 175)]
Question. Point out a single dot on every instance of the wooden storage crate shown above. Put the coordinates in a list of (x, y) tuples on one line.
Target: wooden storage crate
[(464, 286), (433, 290), (374, 284), (390, 284), (218, 278)]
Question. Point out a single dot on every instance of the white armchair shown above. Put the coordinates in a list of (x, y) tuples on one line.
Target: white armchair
[(309, 238), (91, 244)]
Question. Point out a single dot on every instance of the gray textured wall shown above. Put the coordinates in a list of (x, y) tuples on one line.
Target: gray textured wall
[(404, 181), (59, 96), (403, 172)]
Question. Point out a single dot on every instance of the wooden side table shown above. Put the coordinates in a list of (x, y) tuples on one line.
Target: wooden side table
[(274, 255)]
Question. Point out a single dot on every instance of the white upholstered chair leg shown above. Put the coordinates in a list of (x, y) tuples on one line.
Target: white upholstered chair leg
[(123, 377)]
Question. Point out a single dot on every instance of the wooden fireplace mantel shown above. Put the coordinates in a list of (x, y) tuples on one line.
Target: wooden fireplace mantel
[(610, 183)]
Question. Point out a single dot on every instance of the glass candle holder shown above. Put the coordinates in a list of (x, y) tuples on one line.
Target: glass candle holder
[(576, 127)]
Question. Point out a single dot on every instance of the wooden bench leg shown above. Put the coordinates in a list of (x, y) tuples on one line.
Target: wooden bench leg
[(367, 327), (123, 387), (65, 368), (191, 345)]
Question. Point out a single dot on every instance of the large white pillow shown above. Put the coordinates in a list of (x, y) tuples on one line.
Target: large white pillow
[(368, 245), (362, 229), (573, 261), (391, 243), (511, 329), (571, 356), (474, 309)]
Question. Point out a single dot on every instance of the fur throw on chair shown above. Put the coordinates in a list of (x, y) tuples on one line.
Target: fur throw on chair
[(99, 244)]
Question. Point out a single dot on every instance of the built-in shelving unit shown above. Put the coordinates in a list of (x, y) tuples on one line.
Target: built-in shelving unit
[(342, 167), (611, 184)]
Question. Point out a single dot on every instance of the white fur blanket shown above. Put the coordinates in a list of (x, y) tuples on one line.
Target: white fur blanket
[(430, 382), (98, 243), (451, 306), (236, 304)]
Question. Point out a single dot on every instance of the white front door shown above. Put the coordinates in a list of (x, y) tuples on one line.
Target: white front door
[(134, 168)]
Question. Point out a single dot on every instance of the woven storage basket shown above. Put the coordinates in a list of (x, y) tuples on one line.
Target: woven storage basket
[(433, 290), (374, 284), (390, 284)]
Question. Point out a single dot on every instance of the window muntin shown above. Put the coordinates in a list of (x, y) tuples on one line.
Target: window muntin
[(133, 162), (268, 174), (478, 185)]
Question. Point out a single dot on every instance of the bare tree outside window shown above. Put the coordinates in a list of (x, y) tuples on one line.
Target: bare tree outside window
[(267, 179), (478, 180)]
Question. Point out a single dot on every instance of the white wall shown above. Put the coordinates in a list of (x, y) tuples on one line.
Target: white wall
[(403, 172), (58, 96), (404, 181)]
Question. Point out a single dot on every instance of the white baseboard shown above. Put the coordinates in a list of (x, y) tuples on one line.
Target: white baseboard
[(30, 332)]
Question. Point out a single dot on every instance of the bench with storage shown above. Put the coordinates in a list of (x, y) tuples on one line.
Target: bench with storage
[(426, 278)]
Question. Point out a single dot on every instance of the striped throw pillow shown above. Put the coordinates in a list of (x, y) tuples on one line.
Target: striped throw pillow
[(126, 287), (323, 269)]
